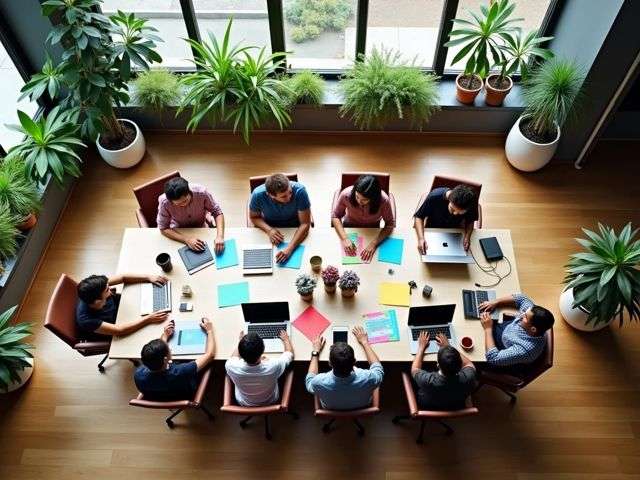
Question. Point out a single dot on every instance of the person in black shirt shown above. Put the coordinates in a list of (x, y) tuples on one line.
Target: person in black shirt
[(446, 208), (449, 387), (97, 307)]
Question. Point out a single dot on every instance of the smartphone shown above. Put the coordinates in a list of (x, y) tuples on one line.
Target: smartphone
[(186, 307), (340, 334)]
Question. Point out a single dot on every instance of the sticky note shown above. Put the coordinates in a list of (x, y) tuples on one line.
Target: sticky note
[(229, 257), (311, 323), (295, 259), (230, 294), (359, 243), (392, 293), (390, 250)]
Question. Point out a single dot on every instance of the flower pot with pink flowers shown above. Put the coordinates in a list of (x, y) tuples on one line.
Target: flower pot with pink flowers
[(330, 277), (348, 283)]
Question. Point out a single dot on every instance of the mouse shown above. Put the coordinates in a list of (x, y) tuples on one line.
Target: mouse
[(445, 244)]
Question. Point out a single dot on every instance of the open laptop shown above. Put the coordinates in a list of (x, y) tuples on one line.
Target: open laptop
[(445, 247), (471, 300), (154, 298), (434, 319), (267, 319), (257, 259)]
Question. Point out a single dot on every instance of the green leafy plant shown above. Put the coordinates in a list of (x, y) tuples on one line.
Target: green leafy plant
[(18, 192), (380, 88), (156, 90), (49, 145), (306, 87), (605, 279), (13, 351), (8, 232), (312, 17), (231, 85), (517, 51), (305, 284), (98, 54)]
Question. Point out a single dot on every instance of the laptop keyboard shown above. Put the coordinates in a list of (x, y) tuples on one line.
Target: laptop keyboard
[(268, 331), (433, 331), (258, 258), (471, 299), (160, 297)]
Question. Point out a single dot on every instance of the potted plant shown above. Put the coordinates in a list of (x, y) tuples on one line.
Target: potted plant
[(155, 90), (8, 233), (98, 55), (230, 85), (603, 282), (330, 277), (478, 38), (550, 95), (381, 87), (348, 283), (305, 88), (20, 194), (305, 285), (16, 360), (516, 51)]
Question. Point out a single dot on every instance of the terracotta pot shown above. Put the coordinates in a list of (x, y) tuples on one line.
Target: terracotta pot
[(28, 223), (348, 292), (465, 95), (494, 96), (330, 287), (307, 298)]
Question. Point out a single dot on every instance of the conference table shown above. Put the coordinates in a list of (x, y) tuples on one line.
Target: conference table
[(140, 246)]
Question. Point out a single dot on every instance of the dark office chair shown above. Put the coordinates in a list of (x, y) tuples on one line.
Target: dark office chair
[(349, 178), (147, 195), (353, 415), (255, 182), (451, 182)]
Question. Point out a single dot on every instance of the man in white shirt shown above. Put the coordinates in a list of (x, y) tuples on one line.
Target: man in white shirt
[(254, 375)]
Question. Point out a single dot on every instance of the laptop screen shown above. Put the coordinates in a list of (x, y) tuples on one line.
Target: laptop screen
[(431, 315), (266, 312)]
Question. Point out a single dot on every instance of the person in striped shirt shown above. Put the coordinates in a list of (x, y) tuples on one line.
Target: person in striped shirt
[(519, 341)]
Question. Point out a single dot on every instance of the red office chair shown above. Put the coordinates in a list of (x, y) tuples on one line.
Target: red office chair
[(349, 178), (437, 416), (61, 320), (147, 196), (451, 182), (354, 415), (177, 406), (255, 182)]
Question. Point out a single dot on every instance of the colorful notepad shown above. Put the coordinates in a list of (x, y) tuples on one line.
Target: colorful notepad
[(229, 257), (359, 243), (311, 323), (295, 259), (392, 293), (230, 294), (382, 326), (390, 250)]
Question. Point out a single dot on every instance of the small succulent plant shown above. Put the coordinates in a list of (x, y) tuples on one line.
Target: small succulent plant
[(349, 280), (330, 275), (305, 284)]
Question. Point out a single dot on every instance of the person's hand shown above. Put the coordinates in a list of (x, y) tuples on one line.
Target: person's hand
[(241, 335), (442, 339), (361, 335), (318, 344), (422, 247), (349, 247), (206, 325), (486, 321), (423, 340), (157, 317), (219, 245), (169, 329), (466, 243), (195, 244), (284, 336), (275, 236), (487, 306), (157, 279), (367, 254), (283, 255)]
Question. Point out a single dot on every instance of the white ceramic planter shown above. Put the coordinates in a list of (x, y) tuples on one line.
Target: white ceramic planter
[(128, 156), (24, 375), (576, 317), (525, 154)]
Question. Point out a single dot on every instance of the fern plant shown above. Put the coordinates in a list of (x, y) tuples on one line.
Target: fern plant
[(18, 192), (13, 351), (8, 232), (156, 90), (305, 87)]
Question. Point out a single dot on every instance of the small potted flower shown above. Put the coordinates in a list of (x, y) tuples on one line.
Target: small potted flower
[(348, 283), (330, 277), (305, 284)]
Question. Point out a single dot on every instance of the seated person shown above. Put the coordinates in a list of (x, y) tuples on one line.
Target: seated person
[(519, 341), (281, 203), (255, 376), (449, 387), (97, 307), (345, 387), (446, 208), (363, 205), (160, 379), (184, 205)]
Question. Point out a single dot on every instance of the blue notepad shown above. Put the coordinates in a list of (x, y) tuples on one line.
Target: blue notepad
[(230, 294), (295, 259), (390, 250), (229, 257)]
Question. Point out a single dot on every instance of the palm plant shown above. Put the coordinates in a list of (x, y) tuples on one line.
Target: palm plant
[(306, 87), (18, 192), (381, 87), (13, 351), (517, 51), (8, 232), (156, 90), (49, 145), (605, 279)]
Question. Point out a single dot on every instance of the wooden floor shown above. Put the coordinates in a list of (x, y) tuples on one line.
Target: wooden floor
[(580, 420)]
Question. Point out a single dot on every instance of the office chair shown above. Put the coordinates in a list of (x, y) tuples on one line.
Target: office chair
[(353, 415), (255, 182), (451, 182), (349, 178), (147, 195)]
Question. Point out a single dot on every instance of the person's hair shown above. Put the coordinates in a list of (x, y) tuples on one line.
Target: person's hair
[(154, 353), (276, 183), (90, 289), (251, 347), (542, 319), (463, 196), (449, 361), (369, 187), (342, 359), (176, 188)]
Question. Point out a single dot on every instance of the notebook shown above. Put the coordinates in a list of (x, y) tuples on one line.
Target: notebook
[(188, 338), (196, 261)]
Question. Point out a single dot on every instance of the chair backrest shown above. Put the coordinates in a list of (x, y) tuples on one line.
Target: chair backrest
[(452, 182), (543, 363), (414, 410), (61, 312), (255, 182), (147, 196), (349, 178), (372, 409)]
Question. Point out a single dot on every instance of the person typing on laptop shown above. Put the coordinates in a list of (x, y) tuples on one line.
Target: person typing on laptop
[(255, 376), (345, 387), (281, 203)]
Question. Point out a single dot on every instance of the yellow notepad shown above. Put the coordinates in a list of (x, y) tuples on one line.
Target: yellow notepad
[(394, 294)]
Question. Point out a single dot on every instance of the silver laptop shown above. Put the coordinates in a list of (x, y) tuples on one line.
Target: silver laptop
[(267, 319), (434, 319), (445, 247), (257, 259), (472, 299), (154, 298)]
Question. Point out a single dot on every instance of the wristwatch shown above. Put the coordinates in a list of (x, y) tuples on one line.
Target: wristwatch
[(315, 354)]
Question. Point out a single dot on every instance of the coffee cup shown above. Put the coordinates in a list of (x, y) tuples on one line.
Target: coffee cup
[(466, 343), (316, 263), (163, 260)]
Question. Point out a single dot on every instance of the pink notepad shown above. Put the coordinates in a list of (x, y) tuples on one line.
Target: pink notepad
[(311, 323)]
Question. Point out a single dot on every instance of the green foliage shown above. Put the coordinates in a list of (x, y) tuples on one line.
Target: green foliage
[(13, 351), (518, 50), (49, 145), (551, 94), (231, 85), (312, 17), (380, 88), (156, 89), (98, 54), (17, 191), (306, 87), (305, 284), (605, 279), (8, 232)]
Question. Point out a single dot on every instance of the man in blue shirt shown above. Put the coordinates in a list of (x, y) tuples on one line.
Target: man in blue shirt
[(161, 379), (345, 387), (281, 203), (520, 340)]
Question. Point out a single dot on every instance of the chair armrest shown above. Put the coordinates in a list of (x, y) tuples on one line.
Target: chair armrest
[(240, 410), (140, 402), (227, 397), (435, 414), (202, 387), (479, 221), (286, 391), (92, 348), (501, 379), (392, 201), (142, 221), (333, 206), (412, 403)]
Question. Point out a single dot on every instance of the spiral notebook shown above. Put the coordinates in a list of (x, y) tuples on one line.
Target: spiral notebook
[(196, 261)]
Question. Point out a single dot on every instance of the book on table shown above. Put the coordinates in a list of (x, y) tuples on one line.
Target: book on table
[(196, 261)]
